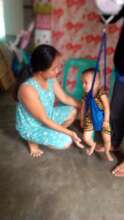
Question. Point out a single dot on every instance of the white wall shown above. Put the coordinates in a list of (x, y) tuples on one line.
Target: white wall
[(2, 26), (13, 16)]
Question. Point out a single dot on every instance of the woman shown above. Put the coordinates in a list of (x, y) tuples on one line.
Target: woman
[(117, 104), (115, 10), (37, 120)]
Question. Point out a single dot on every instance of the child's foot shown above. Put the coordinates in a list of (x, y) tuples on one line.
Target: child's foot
[(91, 150), (101, 149), (109, 156), (35, 151)]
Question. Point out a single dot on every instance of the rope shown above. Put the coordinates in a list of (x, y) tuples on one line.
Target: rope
[(103, 45)]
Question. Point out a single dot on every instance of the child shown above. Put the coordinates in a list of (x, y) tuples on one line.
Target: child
[(86, 120)]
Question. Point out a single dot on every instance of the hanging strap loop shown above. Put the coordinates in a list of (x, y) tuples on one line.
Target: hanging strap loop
[(96, 113), (102, 46)]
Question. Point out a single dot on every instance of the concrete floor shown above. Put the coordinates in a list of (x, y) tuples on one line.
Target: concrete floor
[(62, 185)]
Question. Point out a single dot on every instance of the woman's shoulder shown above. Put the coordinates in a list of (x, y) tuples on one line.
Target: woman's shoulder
[(26, 89), (27, 85), (29, 81)]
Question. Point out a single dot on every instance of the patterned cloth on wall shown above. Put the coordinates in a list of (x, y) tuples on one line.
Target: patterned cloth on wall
[(76, 31)]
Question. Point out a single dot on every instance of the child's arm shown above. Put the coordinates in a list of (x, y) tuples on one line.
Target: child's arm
[(82, 113), (106, 106)]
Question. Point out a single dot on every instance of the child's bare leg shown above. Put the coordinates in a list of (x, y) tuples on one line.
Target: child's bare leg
[(107, 145), (88, 138), (34, 149)]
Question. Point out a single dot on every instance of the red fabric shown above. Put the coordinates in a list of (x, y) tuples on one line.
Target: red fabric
[(43, 22)]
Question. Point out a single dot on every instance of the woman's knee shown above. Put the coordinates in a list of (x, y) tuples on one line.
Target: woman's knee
[(73, 114), (66, 146), (68, 142)]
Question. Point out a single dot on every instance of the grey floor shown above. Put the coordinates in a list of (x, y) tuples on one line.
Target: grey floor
[(62, 185)]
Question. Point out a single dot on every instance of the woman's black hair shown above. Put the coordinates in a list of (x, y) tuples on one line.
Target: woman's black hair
[(41, 60)]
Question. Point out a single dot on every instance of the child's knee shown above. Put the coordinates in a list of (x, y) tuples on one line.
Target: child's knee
[(106, 136), (85, 137), (73, 113), (88, 137)]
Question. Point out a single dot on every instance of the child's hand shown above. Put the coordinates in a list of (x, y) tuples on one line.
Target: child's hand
[(105, 124)]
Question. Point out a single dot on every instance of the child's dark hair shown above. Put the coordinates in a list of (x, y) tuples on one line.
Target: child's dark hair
[(92, 69), (41, 60)]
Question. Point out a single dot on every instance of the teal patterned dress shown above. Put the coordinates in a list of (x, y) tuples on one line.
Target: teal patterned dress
[(33, 130)]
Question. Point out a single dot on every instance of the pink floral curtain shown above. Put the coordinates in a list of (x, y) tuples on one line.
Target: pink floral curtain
[(76, 30)]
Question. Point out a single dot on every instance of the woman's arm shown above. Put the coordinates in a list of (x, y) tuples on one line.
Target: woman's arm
[(30, 99), (63, 97)]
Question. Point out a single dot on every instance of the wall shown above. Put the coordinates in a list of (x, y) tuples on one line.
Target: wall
[(13, 16), (77, 29), (27, 12)]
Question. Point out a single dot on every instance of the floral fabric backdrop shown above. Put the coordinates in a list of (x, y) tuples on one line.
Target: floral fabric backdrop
[(76, 31)]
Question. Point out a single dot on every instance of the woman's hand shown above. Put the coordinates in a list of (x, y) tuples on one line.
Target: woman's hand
[(76, 139), (63, 97)]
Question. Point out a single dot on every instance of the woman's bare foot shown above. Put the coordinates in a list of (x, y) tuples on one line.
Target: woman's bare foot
[(109, 156), (119, 174), (35, 151), (119, 170), (91, 150)]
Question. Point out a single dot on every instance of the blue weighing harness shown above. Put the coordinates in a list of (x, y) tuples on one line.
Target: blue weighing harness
[(97, 114)]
